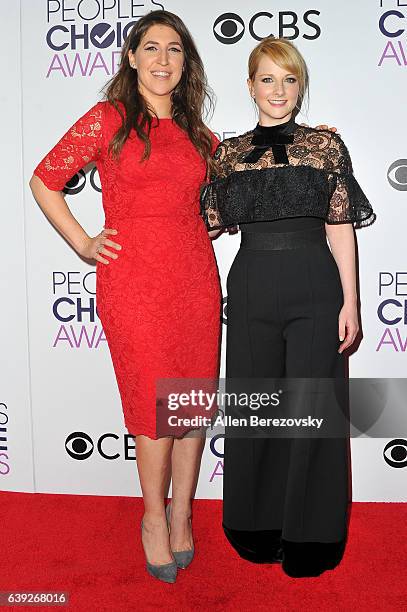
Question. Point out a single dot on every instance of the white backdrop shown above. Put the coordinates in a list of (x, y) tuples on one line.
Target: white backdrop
[(57, 384)]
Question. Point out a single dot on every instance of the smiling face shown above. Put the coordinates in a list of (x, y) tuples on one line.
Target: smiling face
[(275, 91), (159, 60)]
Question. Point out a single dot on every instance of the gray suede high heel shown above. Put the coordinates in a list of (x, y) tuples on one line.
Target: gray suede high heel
[(182, 557), (167, 572)]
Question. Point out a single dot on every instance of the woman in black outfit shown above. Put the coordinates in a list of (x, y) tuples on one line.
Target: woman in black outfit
[(292, 310)]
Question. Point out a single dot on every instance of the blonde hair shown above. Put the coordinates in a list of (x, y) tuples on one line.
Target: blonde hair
[(283, 53)]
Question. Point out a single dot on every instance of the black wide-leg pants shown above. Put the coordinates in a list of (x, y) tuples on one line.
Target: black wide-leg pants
[(286, 499)]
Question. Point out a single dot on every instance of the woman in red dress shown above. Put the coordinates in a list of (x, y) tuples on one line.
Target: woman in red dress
[(158, 291)]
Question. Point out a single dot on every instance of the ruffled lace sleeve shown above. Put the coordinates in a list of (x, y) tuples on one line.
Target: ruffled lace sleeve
[(209, 192), (348, 203), (80, 145)]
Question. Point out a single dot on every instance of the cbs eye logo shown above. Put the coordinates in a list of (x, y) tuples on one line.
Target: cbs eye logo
[(224, 315), (397, 175), (77, 183), (79, 445), (395, 453), (229, 28)]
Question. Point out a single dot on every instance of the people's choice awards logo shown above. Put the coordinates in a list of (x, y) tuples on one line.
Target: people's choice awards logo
[(229, 28), (392, 25), (4, 457), (86, 39), (74, 308), (217, 449), (397, 175), (392, 311)]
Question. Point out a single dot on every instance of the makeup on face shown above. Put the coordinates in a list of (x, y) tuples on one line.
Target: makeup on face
[(275, 91), (159, 61)]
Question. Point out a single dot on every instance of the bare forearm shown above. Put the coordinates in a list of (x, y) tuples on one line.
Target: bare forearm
[(342, 242), (57, 211)]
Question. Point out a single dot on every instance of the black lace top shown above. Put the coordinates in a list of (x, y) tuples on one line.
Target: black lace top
[(281, 172)]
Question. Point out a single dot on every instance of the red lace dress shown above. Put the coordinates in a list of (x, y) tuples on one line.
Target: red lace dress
[(159, 302)]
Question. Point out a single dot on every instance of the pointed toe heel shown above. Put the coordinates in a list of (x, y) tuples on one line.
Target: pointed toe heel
[(182, 557), (166, 572)]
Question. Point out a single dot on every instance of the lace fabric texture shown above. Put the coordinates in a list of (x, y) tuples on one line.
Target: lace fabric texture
[(81, 145), (160, 301), (317, 181)]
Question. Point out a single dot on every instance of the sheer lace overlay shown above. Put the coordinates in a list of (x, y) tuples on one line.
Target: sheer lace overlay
[(318, 181), (78, 147)]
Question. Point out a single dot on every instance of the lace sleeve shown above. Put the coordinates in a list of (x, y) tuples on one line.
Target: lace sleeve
[(348, 203), (80, 145), (209, 196)]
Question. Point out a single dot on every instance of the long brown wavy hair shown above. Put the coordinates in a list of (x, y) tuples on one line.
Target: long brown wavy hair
[(191, 99)]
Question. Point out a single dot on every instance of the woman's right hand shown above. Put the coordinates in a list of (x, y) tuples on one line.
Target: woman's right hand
[(213, 234), (232, 229), (95, 248)]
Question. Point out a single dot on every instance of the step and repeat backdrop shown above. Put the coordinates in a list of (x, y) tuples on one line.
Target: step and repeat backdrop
[(61, 424)]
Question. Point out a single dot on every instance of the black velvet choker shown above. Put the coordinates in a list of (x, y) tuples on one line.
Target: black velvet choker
[(274, 137), (265, 136)]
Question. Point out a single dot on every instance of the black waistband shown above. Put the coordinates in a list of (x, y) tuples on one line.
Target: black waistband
[(282, 240)]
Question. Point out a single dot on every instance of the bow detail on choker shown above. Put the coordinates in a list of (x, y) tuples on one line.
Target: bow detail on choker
[(266, 136), (275, 136)]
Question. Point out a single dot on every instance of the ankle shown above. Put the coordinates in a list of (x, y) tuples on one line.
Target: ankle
[(181, 508), (152, 520)]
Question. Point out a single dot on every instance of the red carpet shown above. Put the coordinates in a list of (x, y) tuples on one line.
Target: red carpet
[(90, 547)]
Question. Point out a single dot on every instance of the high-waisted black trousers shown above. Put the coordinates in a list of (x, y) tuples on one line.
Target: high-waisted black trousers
[(285, 499)]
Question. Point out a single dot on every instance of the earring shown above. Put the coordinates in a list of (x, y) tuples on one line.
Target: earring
[(133, 65)]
